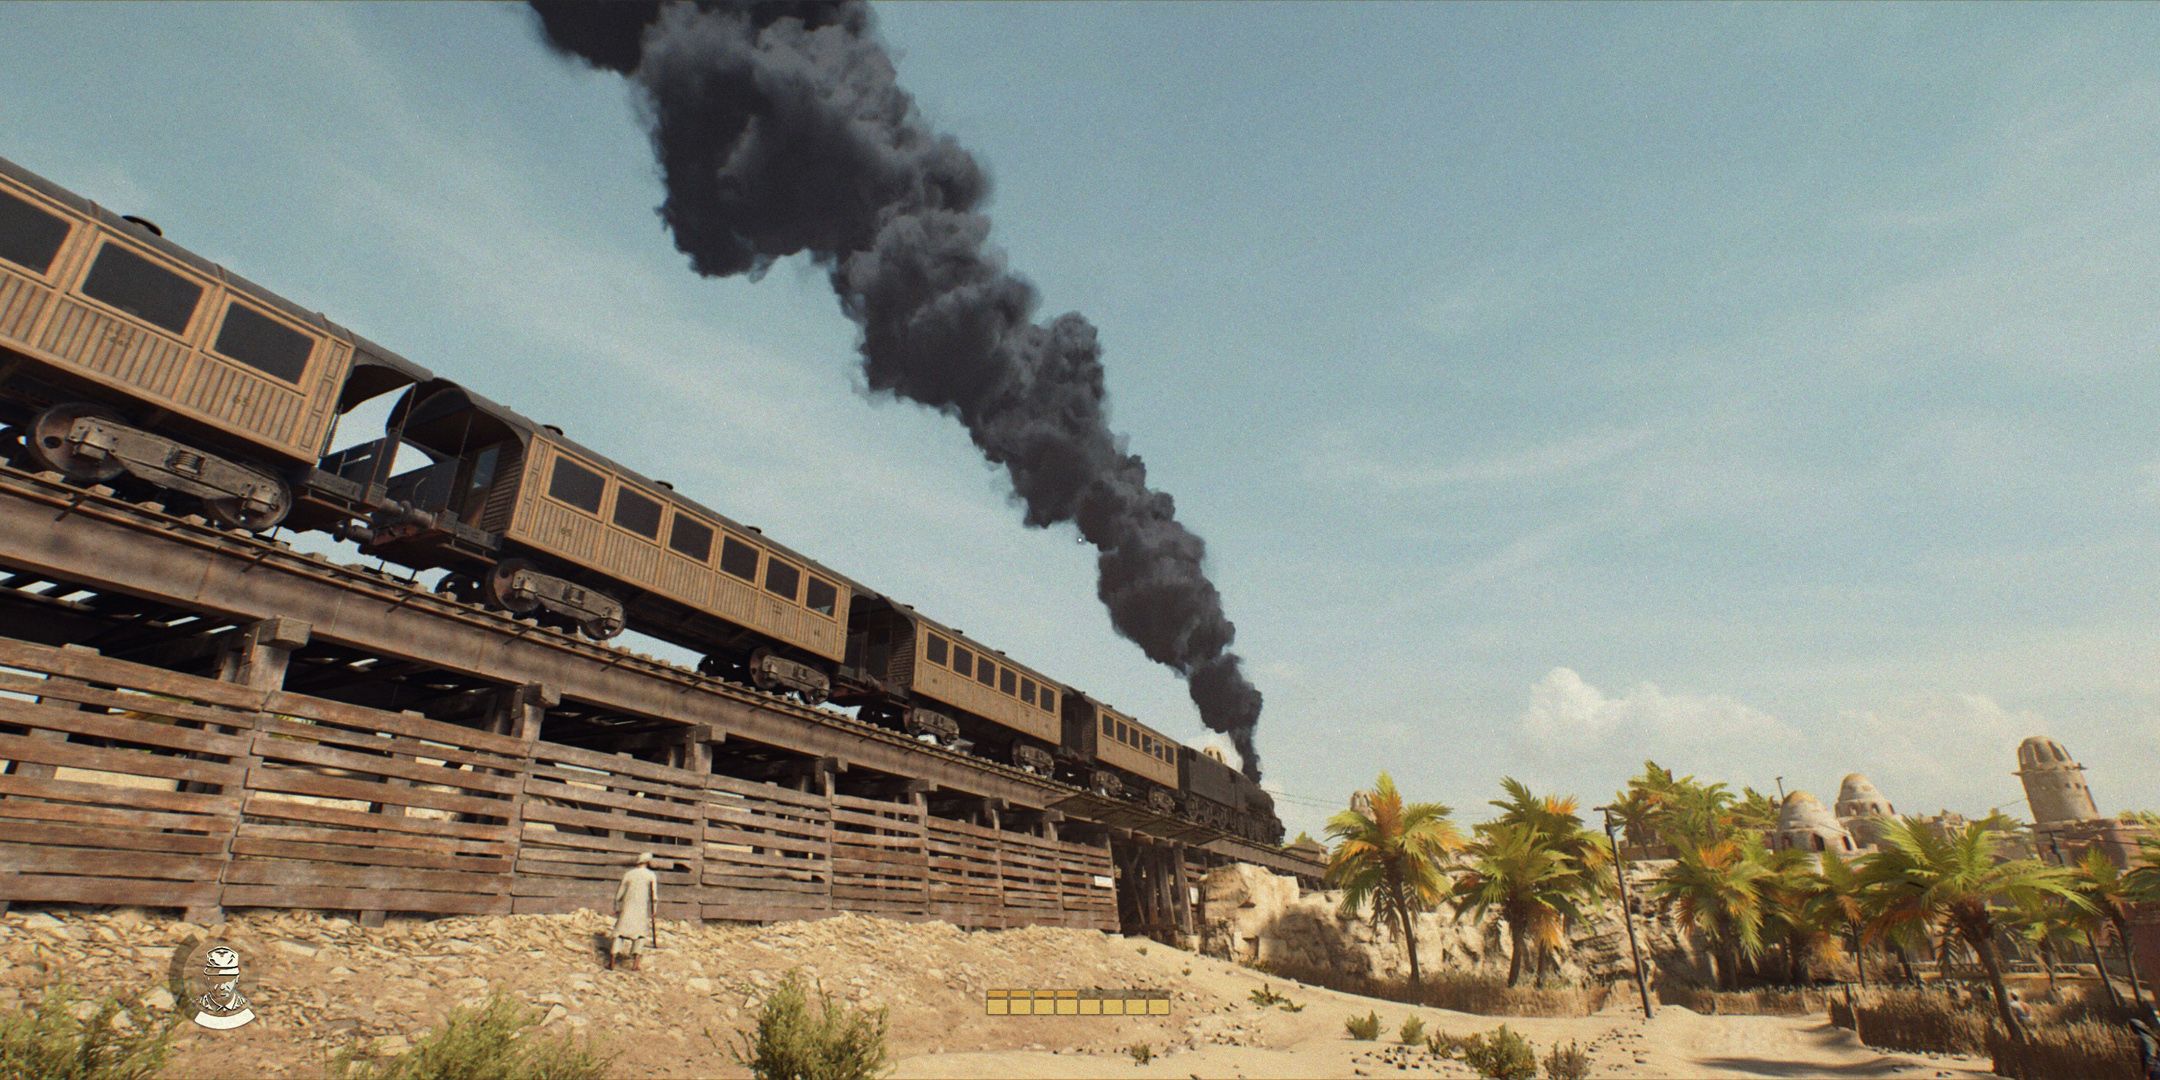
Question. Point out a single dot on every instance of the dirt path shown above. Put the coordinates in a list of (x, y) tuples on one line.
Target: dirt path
[(325, 984)]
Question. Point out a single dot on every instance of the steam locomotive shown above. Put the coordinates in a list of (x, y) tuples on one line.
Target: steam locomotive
[(127, 360)]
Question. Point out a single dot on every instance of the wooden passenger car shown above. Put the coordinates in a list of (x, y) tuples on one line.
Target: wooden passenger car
[(499, 491), (913, 658), (1102, 734), (582, 508), (93, 303)]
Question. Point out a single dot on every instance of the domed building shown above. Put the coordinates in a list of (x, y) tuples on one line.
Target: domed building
[(1862, 810), (1805, 824), (2054, 783)]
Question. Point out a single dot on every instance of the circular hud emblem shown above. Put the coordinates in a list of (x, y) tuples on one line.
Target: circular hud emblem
[(215, 991)]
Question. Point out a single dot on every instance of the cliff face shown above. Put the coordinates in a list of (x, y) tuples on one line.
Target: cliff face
[(1253, 916)]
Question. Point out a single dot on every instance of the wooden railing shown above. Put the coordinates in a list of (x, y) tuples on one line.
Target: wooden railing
[(126, 784)]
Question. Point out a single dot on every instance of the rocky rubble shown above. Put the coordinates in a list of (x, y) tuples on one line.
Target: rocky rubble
[(322, 983), (1253, 916)]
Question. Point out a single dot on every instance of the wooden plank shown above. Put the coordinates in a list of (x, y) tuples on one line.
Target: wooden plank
[(548, 753), (260, 805), (22, 809), (256, 871), (773, 823), (282, 727), (293, 751), (124, 728), (77, 889), (344, 899), (724, 856), (130, 762), (159, 707), (78, 791), (763, 885), (540, 839), (385, 841), (628, 786), (563, 815), (295, 781), (34, 859), (861, 858), (107, 837), (538, 788), (354, 716), (878, 806), (368, 856), (770, 792)]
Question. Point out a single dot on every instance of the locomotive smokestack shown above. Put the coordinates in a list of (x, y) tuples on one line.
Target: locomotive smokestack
[(781, 128)]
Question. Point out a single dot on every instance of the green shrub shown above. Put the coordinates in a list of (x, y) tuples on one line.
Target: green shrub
[(1365, 1028), (50, 1042), (2086, 1050), (1292, 1006), (1500, 1054), (1266, 997), (489, 1041), (1443, 1045), (1568, 1062), (793, 1041), (1141, 1053), (1413, 1031)]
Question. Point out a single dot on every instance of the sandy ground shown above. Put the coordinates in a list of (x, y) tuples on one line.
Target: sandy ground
[(324, 985)]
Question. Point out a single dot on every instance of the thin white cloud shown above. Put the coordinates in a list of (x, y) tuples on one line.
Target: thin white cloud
[(1567, 713), (1938, 749), (1559, 457)]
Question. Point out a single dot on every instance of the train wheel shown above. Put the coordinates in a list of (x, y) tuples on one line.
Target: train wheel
[(458, 587), (501, 590), (759, 677), (601, 627), (231, 512), (49, 447)]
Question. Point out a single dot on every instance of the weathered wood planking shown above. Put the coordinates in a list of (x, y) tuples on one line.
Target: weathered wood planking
[(199, 792)]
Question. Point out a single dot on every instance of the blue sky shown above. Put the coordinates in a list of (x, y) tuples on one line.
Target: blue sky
[(1768, 390)]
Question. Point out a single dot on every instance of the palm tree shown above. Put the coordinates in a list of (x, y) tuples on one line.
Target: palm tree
[(2047, 923), (1388, 853), (1514, 870), (1798, 926), (1718, 889), (1840, 898), (2110, 892), (1953, 882), (1561, 829)]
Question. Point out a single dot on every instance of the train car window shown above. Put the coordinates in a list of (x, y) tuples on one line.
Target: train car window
[(934, 648), (142, 288), (738, 558), (690, 537), (963, 661), (1027, 691), (1007, 682), (1123, 735), (1048, 700), (782, 579), (577, 485), (821, 597), (637, 513), (29, 237), (1109, 726), (263, 343), (986, 672)]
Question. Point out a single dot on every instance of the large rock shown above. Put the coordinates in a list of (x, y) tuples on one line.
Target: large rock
[(1253, 916)]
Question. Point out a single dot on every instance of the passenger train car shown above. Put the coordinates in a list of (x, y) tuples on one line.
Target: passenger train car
[(125, 359)]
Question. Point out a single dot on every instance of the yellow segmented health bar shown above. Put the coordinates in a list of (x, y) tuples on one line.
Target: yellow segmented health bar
[(1095, 1002)]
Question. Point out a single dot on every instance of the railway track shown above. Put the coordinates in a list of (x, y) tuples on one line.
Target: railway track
[(93, 537)]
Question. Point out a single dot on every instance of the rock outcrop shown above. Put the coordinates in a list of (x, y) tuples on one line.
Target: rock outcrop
[(1253, 916)]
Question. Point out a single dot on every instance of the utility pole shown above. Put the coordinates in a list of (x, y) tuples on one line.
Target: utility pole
[(1627, 914)]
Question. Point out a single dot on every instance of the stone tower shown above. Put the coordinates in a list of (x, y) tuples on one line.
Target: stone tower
[(1863, 810), (1805, 824), (2054, 784)]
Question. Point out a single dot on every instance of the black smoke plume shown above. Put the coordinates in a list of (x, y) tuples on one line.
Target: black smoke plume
[(781, 129)]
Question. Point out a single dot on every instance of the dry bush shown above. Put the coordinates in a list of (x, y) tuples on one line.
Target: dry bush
[(489, 1041), (2088, 1051), (65, 1038), (1920, 1021), (831, 1041), (1761, 1001), (1476, 992), (1501, 1055), (1413, 1031), (1568, 1062), (1364, 1028)]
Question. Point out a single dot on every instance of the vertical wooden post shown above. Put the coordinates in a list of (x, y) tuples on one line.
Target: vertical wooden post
[(255, 657), (520, 712)]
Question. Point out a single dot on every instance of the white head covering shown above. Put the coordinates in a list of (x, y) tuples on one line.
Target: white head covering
[(644, 858)]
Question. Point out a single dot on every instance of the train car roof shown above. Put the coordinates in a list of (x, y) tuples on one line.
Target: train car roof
[(376, 354)]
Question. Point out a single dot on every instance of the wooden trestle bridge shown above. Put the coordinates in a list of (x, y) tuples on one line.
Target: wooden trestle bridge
[(201, 719)]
